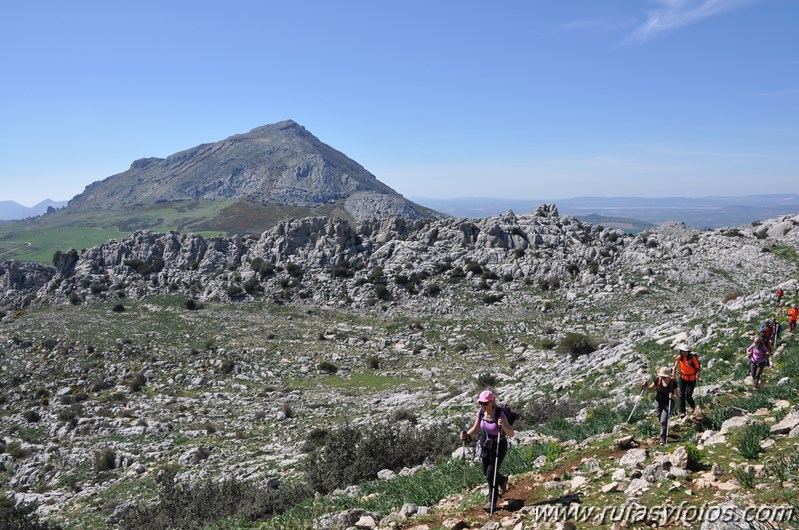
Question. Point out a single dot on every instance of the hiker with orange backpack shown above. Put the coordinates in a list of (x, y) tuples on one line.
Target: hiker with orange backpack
[(687, 364), (793, 314), (496, 426)]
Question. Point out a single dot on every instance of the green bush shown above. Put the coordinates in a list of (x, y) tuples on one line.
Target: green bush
[(695, 457), (547, 344), (542, 410), (576, 344), (327, 367), (104, 459), (31, 416), (486, 380), (235, 290), (745, 475), (748, 440), (373, 362), (342, 269), (473, 267), (492, 299), (457, 275), (251, 284), (403, 414), (22, 517), (317, 438), (198, 505), (137, 381), (432, 290), (353, 454)]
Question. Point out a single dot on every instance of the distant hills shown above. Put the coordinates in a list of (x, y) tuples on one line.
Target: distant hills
[(10, 210), (703, 212)]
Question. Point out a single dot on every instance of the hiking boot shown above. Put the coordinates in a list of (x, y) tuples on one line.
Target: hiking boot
[(489, 507), (503, 485), (662, 441), (682, 414)]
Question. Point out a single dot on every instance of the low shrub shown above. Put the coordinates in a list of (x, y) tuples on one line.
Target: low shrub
[(137, 382), (327, 367), (403, 414), (234, 291), (251, 284), (104, 459), (540, 411), (695, 457), (486, 380), (31, 416), (353, 455), (373, 362), (21, 517), (748, 440), (118, 308), (547, 344), (198, 505), (745, 475), (576, 344)]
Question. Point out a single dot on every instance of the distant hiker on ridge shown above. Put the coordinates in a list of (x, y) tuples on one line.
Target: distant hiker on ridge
[(779, 294), (689, 367)]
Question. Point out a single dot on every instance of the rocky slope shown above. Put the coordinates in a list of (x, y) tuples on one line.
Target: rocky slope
[(170, 349), (281, 163)]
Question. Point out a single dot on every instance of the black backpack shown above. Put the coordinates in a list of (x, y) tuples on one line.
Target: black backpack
[(506, 409)]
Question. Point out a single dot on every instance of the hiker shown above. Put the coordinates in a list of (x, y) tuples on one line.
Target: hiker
[(779, 294), (689, 367), (491, 419), (666, 391), (758, 360), (793, 314), (766, 332)]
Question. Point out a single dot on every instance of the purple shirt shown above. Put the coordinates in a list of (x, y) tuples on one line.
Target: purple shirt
[(757, 353), (491, 427)]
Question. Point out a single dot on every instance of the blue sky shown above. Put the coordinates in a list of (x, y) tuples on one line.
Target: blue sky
[(440, 99)]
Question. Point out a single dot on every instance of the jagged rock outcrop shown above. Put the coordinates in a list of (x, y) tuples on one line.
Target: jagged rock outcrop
[(417, 262)]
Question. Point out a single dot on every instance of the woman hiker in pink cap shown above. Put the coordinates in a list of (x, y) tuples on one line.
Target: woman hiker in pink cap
[(491, 420)]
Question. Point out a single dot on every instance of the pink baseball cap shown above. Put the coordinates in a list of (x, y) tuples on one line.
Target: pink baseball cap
[(486, 395)]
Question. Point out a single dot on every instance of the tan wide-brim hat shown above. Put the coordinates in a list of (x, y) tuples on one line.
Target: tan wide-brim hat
[(664, 372)]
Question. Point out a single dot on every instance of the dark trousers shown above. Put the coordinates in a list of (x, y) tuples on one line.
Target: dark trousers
[(756, 371), (663, 419), (488, 466), (687, 394)]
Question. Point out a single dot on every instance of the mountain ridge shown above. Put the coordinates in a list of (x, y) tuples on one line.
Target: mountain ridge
[(281, 163)]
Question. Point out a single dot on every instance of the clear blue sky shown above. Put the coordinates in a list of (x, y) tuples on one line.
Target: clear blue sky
[(437, 98)]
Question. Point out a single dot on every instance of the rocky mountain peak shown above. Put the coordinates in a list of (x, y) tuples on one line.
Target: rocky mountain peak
[(280, 164)]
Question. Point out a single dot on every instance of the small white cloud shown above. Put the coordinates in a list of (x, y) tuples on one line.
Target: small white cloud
[(674, 14), (788, 92), (597, 25)]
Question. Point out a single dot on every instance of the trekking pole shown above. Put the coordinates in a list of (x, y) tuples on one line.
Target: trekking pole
[(494, 483), (463, 455), (668, 418), (636, 404)]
